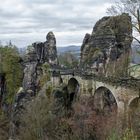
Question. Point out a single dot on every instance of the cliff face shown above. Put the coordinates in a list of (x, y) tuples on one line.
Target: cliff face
[(42, 52), (37, 55), (110, 39)]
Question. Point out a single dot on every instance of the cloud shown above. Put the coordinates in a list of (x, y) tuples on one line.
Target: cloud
[(26, 21)]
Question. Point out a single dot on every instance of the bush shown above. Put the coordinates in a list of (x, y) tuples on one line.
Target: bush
[(83, 123)]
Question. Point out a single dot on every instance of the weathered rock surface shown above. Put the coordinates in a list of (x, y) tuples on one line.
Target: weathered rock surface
[(22, 99), (37, 55), (42, 52), (110, 39), (50, 46)]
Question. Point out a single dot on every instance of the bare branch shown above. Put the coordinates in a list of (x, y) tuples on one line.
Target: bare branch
[(138, 29), (133, 38), (129, 6)]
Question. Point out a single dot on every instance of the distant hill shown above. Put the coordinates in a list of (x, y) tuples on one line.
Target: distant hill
[(76, 51), (72, 49)]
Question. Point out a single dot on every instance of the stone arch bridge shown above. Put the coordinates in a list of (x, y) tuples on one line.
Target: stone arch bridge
[(107, 91)]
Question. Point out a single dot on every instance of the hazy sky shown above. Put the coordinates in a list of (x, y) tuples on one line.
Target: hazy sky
[(27, 21)]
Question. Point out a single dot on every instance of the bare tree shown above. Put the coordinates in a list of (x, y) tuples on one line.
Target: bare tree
[(128, 6)]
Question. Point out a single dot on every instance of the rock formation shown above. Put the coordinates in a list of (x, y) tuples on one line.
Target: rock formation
[(109, 41), (37, 55), (21, 101), (50, 46), (43, 51)]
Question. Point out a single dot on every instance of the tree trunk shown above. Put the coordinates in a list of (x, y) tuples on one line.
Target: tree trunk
[(2, 88), (138, 14)]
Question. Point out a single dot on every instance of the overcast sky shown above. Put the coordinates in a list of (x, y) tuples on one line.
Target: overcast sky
[(27, 21)]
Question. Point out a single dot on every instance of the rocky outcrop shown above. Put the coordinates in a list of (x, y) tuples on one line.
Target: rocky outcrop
[(37, 55), (50, 46), (42, 52), (21, 101), (85, 48), (109, 41)]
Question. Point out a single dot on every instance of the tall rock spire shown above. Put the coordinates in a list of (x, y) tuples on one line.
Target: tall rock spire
[(51, 51)]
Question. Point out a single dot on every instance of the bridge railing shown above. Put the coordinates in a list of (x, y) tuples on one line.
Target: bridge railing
[(129, 82)]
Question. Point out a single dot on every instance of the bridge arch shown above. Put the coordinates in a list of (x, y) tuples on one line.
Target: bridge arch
[(134, 115), (73, 88), (135, 103), (104, 100)]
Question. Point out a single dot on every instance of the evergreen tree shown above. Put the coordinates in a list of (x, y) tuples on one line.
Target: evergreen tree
[(10, 65)]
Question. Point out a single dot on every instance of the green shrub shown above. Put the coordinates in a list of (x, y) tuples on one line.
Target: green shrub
[(129, 135)]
